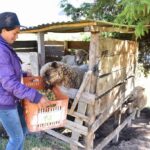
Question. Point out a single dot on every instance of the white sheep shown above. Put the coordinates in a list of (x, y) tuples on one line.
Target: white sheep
[(78, 59), (139, 98)]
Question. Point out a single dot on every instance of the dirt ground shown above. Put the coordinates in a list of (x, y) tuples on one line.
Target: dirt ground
[(135, 137)]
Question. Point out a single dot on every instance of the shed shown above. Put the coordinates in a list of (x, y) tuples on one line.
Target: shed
[(103, 93)]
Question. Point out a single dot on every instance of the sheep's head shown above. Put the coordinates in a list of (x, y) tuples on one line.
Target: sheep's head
[(80, 56), (53, 74)]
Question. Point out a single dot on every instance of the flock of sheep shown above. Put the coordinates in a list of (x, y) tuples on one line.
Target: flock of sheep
[(69, 72)]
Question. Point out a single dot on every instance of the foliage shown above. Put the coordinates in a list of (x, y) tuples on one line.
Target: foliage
[(136, 13), (144, 56), (75, 13), (85, 37), (100, 10), (105, 10)]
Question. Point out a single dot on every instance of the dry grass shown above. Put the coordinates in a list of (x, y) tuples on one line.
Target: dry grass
[(39, 142)]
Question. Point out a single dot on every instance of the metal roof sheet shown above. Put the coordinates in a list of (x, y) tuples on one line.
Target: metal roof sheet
[(80, 26)]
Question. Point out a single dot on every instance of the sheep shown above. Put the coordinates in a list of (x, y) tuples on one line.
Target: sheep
[(77, 59), (139, 98), (59, 73)]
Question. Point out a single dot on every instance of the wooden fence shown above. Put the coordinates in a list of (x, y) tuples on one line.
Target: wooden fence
[(54, 50), (101, 93)]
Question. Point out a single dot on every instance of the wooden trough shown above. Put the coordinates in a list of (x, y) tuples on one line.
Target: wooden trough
[(102, 92)]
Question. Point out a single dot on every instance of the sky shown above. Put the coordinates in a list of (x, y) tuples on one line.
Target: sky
[(36, 12)]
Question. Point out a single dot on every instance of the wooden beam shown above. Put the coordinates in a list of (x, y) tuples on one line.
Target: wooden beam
[(60, 27), (106, 114), (79, 116), (78, 128), (60, 43), (82, 107), (94, 48), (41, 48), (106, 140), (80, 91), (86, 97), (103, 28), (108, 81), (24, 44), (64, 138), (75, 135), (65, 47)]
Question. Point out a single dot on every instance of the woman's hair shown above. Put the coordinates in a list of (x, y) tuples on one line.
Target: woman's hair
[(8, 29)]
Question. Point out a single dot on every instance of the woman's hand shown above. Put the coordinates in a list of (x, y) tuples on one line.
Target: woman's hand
[(43, 101)]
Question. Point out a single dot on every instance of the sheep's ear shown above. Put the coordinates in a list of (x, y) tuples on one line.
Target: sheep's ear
[(54, 64)]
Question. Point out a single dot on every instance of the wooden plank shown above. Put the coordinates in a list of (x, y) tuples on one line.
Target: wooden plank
[(64, 138), (78, 128), (28, 49), (117, 46), (93, 48), (24, 44), (107, 108), (75, 135), (78, 45), (79, 116), (115, 62), (53, 43), (109, 99), (80, 91), (86, 97), (65, 47), (106, 140), (113, 96), (80, 109), (108, 81)]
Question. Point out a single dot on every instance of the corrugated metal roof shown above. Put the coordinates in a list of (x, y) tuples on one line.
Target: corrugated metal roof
[(80, 26)]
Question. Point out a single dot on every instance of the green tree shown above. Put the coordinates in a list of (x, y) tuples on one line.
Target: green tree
[(99, 10), (135, 12), (73, 12)]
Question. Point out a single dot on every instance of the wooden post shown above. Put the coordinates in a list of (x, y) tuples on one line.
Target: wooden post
[(41, 48), (118, 119), (94, 47), (90, 87), (65, 47), (34, 63)]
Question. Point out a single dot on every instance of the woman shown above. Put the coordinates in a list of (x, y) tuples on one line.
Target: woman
[(11, 89)]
